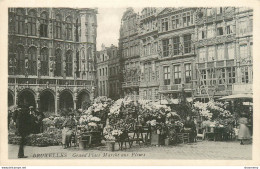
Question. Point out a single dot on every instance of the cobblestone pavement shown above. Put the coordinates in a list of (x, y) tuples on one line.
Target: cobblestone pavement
[(192, 151)]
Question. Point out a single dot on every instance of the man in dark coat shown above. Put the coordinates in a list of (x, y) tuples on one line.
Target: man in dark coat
[(23, 124), (40, 116), (190, 127)]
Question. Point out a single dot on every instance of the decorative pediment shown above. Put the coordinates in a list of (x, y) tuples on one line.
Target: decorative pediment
[(165, 11)]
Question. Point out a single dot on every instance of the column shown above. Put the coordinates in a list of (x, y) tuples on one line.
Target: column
[(56, 102), (74, 104)]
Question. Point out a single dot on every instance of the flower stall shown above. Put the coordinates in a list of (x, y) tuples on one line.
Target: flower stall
[(93, 120), (215, 119)]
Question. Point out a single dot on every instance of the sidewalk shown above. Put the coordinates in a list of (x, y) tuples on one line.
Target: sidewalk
[(193, 151)]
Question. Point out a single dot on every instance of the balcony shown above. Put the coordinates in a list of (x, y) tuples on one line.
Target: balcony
[(52, 82), (170, 88)]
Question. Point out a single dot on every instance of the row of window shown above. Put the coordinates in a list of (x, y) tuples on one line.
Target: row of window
[(177, 21), (223, 52), (211, 31), (22, 64), (148, 94), (177, 46), (226, 75), (103, 71), (131, 51), (19, 21), (177, 74), (103, 88)]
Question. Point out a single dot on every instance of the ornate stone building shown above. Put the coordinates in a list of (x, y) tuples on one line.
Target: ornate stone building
[(176, 51), (51, 53), (149, 58), (115, 73), (102, 71), (206, 52), (129, 45), (224, 51)]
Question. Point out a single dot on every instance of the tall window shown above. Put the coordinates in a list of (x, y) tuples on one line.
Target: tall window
[(230, 51), (176, 44), (187, 43), (20, 60), (165, 47), (211, 53), (167, 79), (231, 75), (89, 54), (221, 52), (186, 18), (177, 74), (77, 30), (202, 34), (19, 24), (187, 73), (68, 28), (69, 63), (243, 27), (229, 28), (245, 77), (58, 60), (219, 10), (44, 62), (156, 94), (165, 24), (203, 75), (32, 60), (220, 31), (243, 51), (202, 54), (210, 31), (77, 63), (57, 27), (175, 21), (31, 23), (44, 25)]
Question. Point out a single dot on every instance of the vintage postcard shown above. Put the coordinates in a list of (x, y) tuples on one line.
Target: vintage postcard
[(129, 83)]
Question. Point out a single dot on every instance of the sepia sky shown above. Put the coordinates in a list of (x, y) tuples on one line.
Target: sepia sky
[(109, 20)]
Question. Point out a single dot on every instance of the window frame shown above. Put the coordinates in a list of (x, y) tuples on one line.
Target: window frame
[(166, 75)]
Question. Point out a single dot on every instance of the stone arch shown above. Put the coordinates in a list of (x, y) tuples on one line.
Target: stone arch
[(10, 97), (47, 101), (82, 97), (66, 99), (26, 97)]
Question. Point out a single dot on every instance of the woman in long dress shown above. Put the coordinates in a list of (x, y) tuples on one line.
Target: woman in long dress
[(243, 133), (67, 130)]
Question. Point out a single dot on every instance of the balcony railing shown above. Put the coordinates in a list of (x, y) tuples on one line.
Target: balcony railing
[(48, 81), (130, 84)]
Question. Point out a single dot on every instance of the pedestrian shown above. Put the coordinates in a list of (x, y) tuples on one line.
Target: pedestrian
[(22, 121), (190, 127), (40, 116), (243, 133), (34, 120), (67, 132)]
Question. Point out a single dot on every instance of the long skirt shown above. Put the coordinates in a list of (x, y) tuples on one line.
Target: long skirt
[(66, 135), (243, 132)]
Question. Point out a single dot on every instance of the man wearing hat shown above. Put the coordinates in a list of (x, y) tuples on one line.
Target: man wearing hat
[(34, 120), (22, 121), (68, 125)]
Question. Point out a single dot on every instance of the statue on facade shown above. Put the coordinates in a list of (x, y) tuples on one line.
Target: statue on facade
[(39, 66)]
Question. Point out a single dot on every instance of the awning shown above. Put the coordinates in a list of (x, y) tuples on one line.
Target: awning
[(238, 96)]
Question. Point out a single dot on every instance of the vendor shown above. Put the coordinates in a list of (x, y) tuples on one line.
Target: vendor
[(67, 132), (189, 127)]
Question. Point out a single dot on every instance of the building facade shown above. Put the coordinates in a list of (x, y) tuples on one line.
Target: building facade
[(224, 51), (114, 73), (129, 51), (176, 51), (51, 53), (206, 52), (102, 71), (149, 57)]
